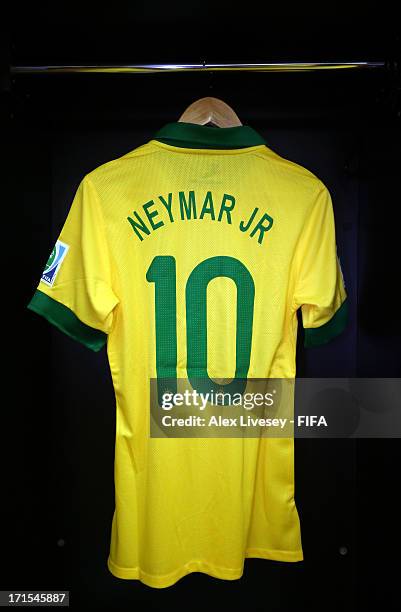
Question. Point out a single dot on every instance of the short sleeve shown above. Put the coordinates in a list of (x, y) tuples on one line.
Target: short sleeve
[(319, 282), (75, 291)]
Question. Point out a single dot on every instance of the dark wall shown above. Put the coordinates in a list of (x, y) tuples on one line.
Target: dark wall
[(61, 423)]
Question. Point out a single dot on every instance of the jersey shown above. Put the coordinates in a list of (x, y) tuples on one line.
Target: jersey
[(159, 252)]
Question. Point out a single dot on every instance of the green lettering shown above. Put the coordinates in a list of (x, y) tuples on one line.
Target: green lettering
[(225, 208), (189, 208), (243, 227), (262, 228), (207, 208), (150, 215), (138, 225), (168, 205)]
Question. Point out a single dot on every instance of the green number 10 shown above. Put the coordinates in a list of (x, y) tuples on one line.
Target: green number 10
[(162, 272)]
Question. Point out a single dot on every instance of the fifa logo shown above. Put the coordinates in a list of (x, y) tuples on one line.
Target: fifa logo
[(54, 262)]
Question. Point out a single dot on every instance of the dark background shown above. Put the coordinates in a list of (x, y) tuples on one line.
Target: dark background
[(58, 410)]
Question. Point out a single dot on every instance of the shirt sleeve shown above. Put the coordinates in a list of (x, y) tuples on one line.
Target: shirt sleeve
[(319, 284), (75, 291)]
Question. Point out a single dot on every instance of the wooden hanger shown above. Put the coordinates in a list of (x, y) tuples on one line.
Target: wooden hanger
[(210, 110)]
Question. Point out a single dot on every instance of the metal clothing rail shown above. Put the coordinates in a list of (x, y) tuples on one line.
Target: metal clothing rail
[(149, 68)]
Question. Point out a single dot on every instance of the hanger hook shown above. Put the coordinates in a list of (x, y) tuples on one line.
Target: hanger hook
[(211, 79)]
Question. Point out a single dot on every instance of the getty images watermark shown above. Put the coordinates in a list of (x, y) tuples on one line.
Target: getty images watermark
[(277, 408), (218, 398)]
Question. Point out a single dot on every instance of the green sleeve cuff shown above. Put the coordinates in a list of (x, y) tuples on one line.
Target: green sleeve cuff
[(66, 321), (321, 335)]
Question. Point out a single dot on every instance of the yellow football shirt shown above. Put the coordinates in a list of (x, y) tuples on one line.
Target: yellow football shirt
[(190, 255)]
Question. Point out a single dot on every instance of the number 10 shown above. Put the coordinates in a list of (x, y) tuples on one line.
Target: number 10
[(162, 272)]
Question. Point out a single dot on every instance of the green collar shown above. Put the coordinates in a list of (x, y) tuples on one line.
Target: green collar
[(194, 136)]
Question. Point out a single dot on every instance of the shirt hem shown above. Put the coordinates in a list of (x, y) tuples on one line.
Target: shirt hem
[(166, 580)]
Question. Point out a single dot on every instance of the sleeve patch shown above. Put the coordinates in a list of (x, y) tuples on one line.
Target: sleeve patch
[(54, 263)]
